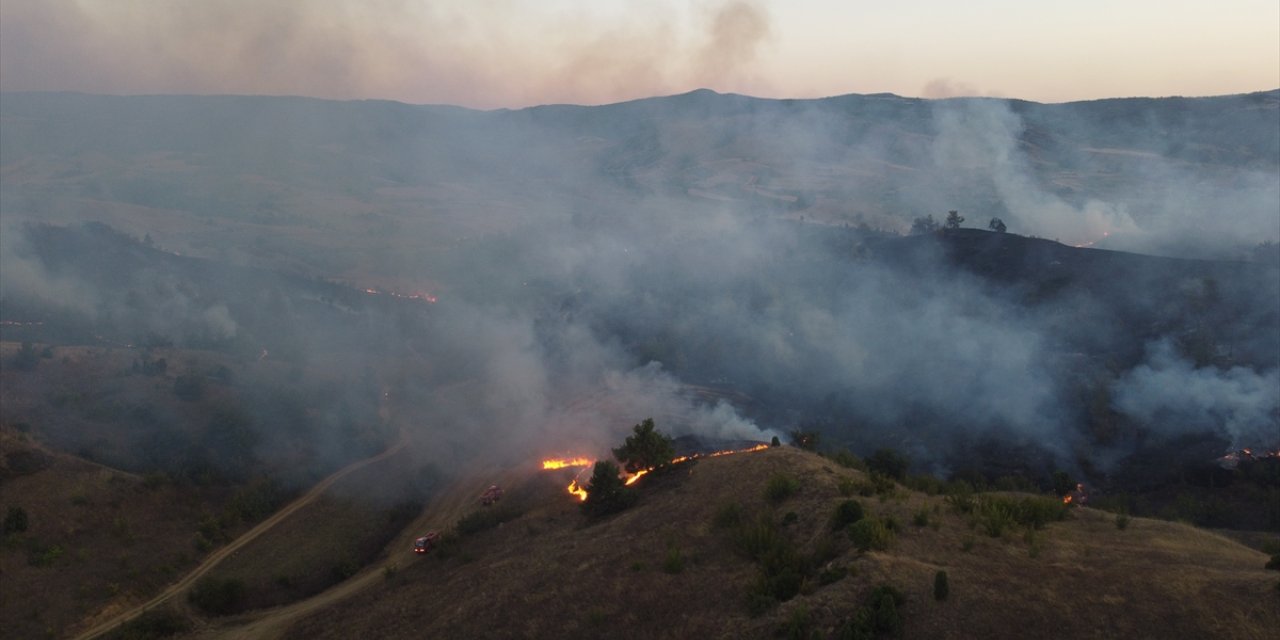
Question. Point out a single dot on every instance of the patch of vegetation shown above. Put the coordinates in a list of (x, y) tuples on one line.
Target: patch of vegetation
[(151, 625), (674, 561), (920, 518), (606, 492), (877, 617), (40, 554), (1274, 562), (728, 515), (1122, 521), (488, 518), (15, 520), (847, 513), (218, 596), (780, 487), (890, 463), (799, 625), (782, 567), (941, 586), (646, 448), (832, 574), (846, 459), (870, 534)]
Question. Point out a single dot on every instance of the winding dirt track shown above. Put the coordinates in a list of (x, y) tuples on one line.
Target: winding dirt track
[(249, 536)]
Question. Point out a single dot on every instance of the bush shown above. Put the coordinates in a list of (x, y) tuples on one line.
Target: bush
[(485, 519), (846, 459), (847, 513), (799, 625), (1122, 521), (606, 492), (674, 562), (780, 487), (889, 463), (727, 516), (832, 574), (1274, 562), (877, 618), (870, 534), (15, 520), (151, 625), (941, 588), (921, 518), (218, 596)]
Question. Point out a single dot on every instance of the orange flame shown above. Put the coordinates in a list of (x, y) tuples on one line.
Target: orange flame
[(580, 491), (561, 463)]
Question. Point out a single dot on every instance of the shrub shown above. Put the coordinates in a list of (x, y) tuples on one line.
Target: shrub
[(848, 486), (941, 588), (1274, 562), (847, 513), (15, 520), (1122, 521), (152, 624), (780, 487), (832, 574), (799, 625), (921, 518), (674, 562), (870, 534), (846, 459), (485, 519), (890, 463), (218, 596), (606, 492), (790, 518), (877, 618), (729, 515)]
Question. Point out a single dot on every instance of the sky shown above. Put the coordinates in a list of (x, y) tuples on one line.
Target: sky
[(513, 53)]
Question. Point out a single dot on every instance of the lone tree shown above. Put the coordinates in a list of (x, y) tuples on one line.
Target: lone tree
[(606, 492), (996, 225), (953, 220), (647, 448)]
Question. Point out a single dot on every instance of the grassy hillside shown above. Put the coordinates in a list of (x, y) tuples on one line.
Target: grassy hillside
[(677, 565)]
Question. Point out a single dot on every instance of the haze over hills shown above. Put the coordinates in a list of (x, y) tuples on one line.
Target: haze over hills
[(244, 292)]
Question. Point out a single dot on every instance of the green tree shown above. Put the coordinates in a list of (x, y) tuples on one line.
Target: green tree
[(941, 587), (647, 448), (606, 492), (997, 225), (953, 220)]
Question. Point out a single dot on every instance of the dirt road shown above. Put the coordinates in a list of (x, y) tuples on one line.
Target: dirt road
[(235, 545)]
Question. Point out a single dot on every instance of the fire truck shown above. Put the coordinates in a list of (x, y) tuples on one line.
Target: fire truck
[(491, 495), (426, 543)]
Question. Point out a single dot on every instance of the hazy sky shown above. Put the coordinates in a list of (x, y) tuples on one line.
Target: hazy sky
[(512, 53)]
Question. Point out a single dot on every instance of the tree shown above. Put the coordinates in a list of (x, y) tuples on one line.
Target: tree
[(940, 586), (890, 463), (921, 226), (647, 448), (953, 220), (606, 492), (996, 225)]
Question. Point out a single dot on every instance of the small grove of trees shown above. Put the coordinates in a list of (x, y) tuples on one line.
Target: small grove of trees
[(923, 225), (646, 448), (953, 220), (997, 225)]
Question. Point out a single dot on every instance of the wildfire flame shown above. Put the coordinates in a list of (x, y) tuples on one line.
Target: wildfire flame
[(629, 479), (1234, 458), (1076, 497), (561, 463)]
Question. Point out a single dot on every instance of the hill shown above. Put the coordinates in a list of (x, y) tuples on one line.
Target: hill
[(673, 567)]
